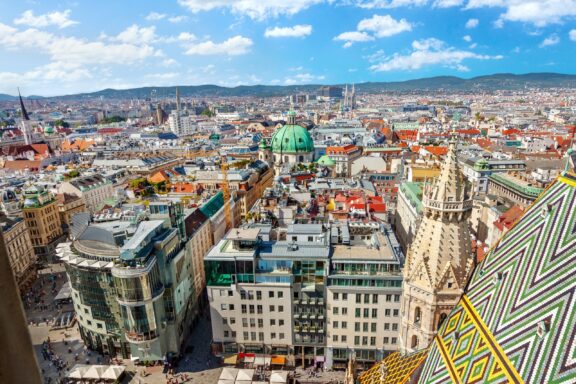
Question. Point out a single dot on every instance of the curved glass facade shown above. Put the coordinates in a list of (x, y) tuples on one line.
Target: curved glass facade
[(140, 287), (139, 322)]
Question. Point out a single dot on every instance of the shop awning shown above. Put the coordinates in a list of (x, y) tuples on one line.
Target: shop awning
[(231, 360), (245, 375), (278, 360), (229, 374), (279, 377)]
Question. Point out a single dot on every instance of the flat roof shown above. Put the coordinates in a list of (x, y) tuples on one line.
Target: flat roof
[(243, 234)]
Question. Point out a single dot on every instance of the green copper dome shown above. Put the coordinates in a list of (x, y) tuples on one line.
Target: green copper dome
[(292, 138), (48, 130), (326, 161)]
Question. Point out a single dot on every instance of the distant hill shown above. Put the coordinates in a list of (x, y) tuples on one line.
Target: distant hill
[(501, 81)]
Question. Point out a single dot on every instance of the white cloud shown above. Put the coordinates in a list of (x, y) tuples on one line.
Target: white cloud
[(572, 34), (550, 40), (384, 26), (472, 23), (137, 35), (255, 9), (429, 52), (162, 76), (498, 24), (447, 3), (59, 19), (467, 38), (473, 45), (177, 19), (377, 4), (537, 12), (303, 78), (375, 27), (295, 31), (186, 36), (155, 16), (237, 45)]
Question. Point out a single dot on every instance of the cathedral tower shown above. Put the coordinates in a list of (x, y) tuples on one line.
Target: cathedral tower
[(440, 259)]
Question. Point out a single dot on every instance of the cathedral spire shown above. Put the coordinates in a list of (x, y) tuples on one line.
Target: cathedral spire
[(24, 113)]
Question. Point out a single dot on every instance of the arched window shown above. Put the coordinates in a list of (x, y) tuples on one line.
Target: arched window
[(414, 341), (300, 158), (441, 319), (417, 314)]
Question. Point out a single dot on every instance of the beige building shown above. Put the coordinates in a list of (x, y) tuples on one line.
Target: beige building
[(68, 206), (43, 221), (440, 260), (20, 251), (93, 189)]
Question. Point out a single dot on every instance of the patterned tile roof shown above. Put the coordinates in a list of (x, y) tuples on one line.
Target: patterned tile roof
[(394, 369), (517, 323)]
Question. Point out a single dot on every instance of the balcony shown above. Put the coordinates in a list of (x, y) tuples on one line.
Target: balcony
[(139, 338)]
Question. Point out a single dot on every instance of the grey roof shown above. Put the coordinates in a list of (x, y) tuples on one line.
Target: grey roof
[(291, 250), (305, 229)]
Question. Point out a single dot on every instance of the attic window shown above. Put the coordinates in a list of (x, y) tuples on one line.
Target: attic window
[(300, 140)]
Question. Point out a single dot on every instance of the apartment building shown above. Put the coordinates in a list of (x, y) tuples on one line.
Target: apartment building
[(94, 190), (297, 296), (43, 221), (68, 206), (20, 251)]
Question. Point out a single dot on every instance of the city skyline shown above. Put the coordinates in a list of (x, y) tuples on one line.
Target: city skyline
[(55, 49)]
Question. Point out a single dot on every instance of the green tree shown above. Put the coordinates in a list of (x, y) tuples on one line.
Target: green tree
[(61, 123)]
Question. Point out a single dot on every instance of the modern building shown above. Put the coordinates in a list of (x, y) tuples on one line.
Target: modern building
[(478, 170), (279, 296), (440, 260), (94, 190), (408, 213), (133, 282), (43, 221), (20, 251)]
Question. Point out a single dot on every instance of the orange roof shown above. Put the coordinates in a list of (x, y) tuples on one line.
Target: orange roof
[(415, 148), (346, 149), (436, 150), (508, 218), (159, 177), (409, 134), (183, 187)]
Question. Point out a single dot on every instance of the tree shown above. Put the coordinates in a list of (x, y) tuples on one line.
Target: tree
[(207, 112), (61, 123)]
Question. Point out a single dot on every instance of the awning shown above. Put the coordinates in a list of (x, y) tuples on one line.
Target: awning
[(249, 359), (78, 371), (113, 372), (319, 359), (245, 375), (94, 372), (278, 360), (260, 360), (231, 360)]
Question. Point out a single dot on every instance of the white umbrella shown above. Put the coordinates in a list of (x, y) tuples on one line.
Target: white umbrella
[(78, 371), (279, 377), (245, 375), (94, 372), (113, 372), (229, 374)]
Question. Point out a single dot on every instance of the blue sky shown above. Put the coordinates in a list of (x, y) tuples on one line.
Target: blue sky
[(53, 47)]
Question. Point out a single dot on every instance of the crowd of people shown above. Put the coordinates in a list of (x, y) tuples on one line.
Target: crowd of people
[(56, 362)]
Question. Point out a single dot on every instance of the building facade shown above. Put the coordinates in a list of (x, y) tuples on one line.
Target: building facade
[(20, 251), (94, 190)]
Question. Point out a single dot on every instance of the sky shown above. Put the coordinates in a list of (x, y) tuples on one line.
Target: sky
[(61, 47)]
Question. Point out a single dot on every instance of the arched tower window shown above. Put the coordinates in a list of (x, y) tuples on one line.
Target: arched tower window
[(414, 341), (417, 314), (441, 319)]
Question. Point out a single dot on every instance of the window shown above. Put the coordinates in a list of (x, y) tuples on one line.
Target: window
[(294, 238), (270, 294), (373, 327), (343, 338), (358, 298), (396, 313), (272, 308), (366, 312), (388, 298), (230, 293), (259, 309), (281, 335), (441, 320), (280, 308), (272, 321), (386, 326), (357, 314), (386, 340), (225, 333), (281, 322), (273, 335), (232, 320), (231, 307), (414, 341), (344, 324), (356, 340), (344, 311), (253, 336), (258, 295), (245, 334), (260, 336), (366, 298), (99, 325), (334, 324), (394, 327), (394, 340), (251, 308), (224, 321), (375, 298), (386, 312), (364, 327), (280, 294), (223, 307), (335, 310), (365, 340), (417, 314), (260, 323), (374, 313), (310, 239), (335, 295), (356, 327), (344, 296), (244, 308), (245, 322), (397, 298), (335, 338), (372, 341)]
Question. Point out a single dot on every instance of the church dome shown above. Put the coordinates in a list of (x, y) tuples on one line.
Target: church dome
[(292, 138), (48, 130)]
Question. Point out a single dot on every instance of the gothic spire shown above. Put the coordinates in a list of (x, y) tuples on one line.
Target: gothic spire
[(24, 113)]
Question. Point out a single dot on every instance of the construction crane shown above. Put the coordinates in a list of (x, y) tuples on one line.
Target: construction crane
[(226, 192)]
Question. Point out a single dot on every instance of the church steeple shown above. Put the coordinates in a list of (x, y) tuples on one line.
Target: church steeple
[(24, 113), (440, 260)]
